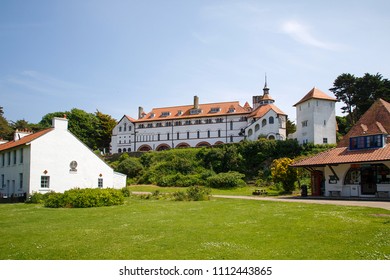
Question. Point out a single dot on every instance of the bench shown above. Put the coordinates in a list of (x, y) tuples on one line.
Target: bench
[(382, 194), (259, 192), (335, 193)]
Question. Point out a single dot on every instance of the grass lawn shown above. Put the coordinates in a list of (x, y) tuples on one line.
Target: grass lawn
[(217, 229), (151, 188)]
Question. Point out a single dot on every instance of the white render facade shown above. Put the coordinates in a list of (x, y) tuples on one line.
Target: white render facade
[(199, 125), (316, 119), (52, 160)]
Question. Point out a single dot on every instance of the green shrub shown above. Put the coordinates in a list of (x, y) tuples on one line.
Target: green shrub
[(55, 200), (36, 198), (84, 198), (227, 180), (130, 166), (126, 191), (196, 193)]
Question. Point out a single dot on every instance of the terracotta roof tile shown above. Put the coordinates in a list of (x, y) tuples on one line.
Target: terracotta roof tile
[(343, 155), (315, 93), (262, 110), (185, 112), (24, 140), (376, 120)]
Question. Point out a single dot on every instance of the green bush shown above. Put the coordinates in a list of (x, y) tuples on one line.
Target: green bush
[(36, 198), (227, 180), (130, 166), (84, 198), (126, 191), (196, 193), (55, 200)]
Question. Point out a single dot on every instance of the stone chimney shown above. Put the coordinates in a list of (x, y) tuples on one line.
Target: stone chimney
[(19, 134), (196, 102), (141, 112)]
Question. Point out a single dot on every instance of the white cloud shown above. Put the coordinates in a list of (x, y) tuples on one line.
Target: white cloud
[(302, 34)]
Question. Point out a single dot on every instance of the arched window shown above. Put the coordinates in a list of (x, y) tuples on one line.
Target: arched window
[(271, 120), (219, 133), (250, 132), (124, 126), (124, 150), (119, 150), (353, 176), (257, 127), (264, 122), (208, 133)]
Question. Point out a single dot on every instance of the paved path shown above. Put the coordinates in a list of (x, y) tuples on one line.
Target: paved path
[(361, 203)]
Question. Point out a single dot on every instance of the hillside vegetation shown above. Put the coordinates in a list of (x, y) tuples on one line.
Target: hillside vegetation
[(228, 165)]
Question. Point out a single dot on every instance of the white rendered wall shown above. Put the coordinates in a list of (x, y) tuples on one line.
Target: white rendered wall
[(52, 154)]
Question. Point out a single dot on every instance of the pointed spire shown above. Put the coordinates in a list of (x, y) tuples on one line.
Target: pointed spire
[(265, 89)]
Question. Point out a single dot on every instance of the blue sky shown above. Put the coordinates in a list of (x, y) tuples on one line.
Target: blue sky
[(114, 56)]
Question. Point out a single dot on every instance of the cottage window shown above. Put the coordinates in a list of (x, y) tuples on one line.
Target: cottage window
[(21, 155), (257, 127), (271, 120), (264, 122), (45, 182), (20, 180), (100, 182)]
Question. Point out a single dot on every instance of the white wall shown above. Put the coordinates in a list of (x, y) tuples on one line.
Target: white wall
[(53, 153)]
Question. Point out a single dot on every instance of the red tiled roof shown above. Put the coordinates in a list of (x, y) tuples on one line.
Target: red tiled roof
[(262, 110), (315, 93), (376, 120), (184, 112), (343, 155), (24, 140)]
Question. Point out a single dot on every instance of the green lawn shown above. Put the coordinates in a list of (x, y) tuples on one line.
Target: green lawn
[(151, 188), (217, 229)]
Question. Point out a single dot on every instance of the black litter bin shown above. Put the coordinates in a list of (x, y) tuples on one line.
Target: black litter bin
[(303, 190)]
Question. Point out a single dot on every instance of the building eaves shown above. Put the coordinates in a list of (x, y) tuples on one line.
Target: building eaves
[(25, 140)]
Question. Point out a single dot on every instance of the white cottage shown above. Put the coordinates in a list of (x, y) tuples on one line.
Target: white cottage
[(52, 160), (360, 164)]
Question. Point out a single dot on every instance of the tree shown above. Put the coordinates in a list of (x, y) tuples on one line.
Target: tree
[(282, 173), (105, 126), (359, 93), (5, 128), (290, 127)]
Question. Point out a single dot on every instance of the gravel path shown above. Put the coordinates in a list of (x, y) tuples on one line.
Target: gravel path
[(361, 203)]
